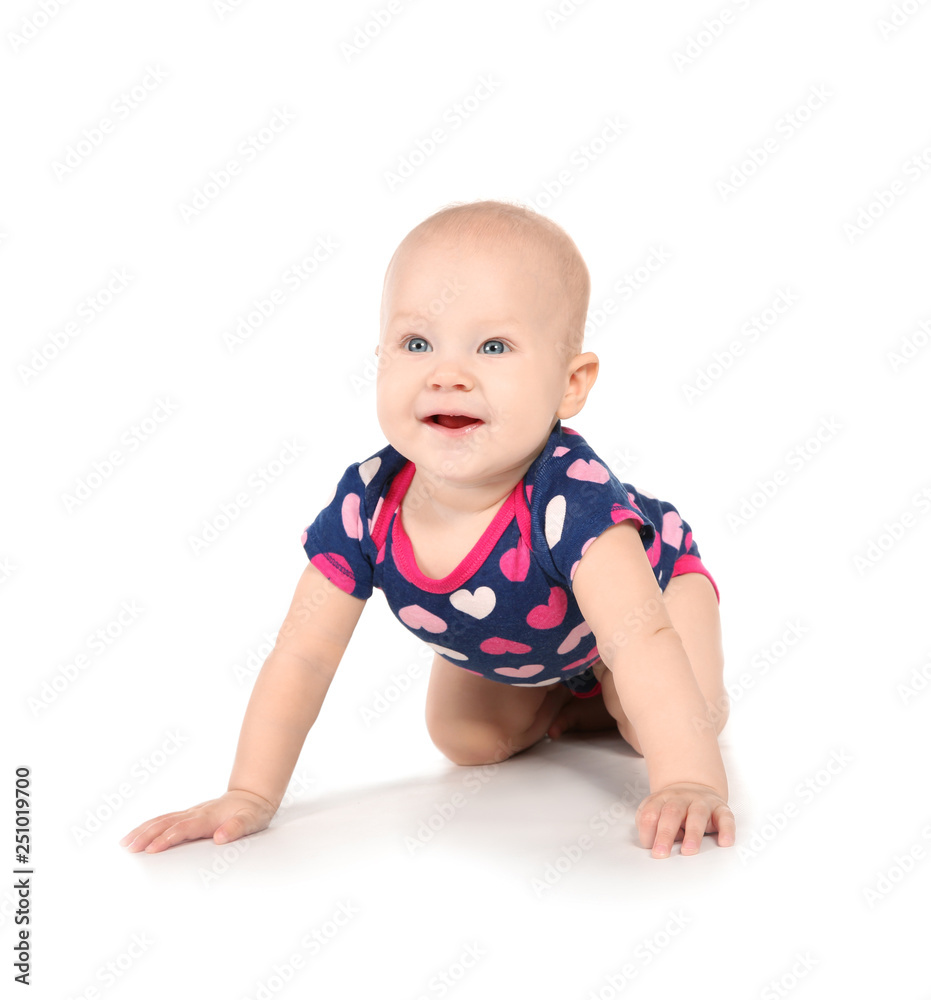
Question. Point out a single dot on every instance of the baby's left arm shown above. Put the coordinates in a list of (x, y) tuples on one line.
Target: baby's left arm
[(619, 597)]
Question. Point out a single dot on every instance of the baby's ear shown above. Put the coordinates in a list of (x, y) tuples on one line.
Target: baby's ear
[(582, 375)]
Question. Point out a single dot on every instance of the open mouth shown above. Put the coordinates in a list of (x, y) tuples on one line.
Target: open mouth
[(453, 421)]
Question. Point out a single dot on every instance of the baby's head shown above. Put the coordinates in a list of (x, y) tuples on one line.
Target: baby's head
[(544, 250), (483, 315)]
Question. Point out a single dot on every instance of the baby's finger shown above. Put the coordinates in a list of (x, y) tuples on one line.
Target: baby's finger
[(696, 822), (723, 819), (148, 825), (667, 828), (192, 828), (140, 838), (240, 824)]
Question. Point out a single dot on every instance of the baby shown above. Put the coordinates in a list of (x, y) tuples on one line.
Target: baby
[(554, 596)]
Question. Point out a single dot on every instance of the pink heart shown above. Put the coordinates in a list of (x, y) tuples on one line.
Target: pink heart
[(528, 670), (574, 638), (373, 520), (588, 472), (498, 645), (324, 562), (585, 659), (414, 616), (352, 523), (672, 529), (560, 451), (575, 565), (551, 614), (688, 542), (516, 562), (653, 552)]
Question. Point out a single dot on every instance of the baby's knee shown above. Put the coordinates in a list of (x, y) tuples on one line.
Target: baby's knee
[(472, 744)]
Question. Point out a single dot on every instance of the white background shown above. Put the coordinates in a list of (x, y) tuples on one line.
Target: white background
[(148, 722)]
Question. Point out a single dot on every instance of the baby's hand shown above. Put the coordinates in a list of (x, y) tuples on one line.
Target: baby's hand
[(694, 809), (233, 815)]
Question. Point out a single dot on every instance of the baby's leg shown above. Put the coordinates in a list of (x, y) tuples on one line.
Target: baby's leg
[(693, 608), (473, 720)]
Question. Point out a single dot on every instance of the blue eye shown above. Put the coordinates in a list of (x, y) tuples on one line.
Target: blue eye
[(494, 347), (417, 345)]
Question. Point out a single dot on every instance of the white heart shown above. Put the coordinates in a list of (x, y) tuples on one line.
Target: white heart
[(443, 651), (368, 469), (478, 605), (555, 518)]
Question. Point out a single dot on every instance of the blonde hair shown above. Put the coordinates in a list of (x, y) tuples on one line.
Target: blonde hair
[(513, 225)]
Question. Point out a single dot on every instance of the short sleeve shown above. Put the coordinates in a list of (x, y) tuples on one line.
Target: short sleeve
[(576, 498), (338, 542)]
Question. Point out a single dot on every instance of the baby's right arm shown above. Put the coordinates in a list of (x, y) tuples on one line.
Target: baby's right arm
[(285, 702)]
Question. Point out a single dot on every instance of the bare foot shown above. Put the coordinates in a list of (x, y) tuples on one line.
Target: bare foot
[(581, 714)]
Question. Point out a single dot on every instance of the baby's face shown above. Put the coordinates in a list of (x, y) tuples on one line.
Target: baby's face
[(473, 362)]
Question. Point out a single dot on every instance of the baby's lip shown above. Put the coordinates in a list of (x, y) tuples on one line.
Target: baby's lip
[(428, 418)]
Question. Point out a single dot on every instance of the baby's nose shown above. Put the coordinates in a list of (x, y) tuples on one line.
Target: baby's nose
[(451, 373)]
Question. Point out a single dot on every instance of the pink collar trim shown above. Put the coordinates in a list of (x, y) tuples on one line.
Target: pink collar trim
[(404, 552)]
